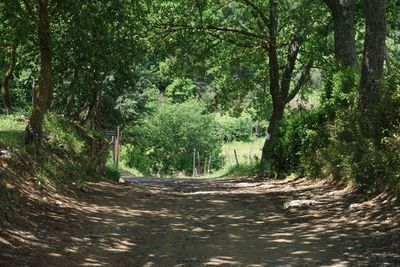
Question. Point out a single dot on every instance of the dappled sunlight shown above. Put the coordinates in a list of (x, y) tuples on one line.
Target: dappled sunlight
[(229, 225), (222, 260)]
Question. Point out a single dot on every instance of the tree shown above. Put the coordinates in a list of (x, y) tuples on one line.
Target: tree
[(43, 91), (165, 141), (344, 30), (374, 55), (13, 27), (244, 24), (90, 76)]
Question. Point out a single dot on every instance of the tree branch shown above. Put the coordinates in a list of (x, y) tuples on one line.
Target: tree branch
[(293, 52), (216, 28), (258, 11), (304, 78), (236, 43), (31, 12)]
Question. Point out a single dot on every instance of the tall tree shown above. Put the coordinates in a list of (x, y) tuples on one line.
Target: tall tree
[(279, 85), (43, 91), (344, 30), (374, 54), (285, 48), (90, 76)]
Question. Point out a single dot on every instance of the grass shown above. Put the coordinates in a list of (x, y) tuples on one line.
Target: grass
[(248, 153), (12, 130), (65, 154)]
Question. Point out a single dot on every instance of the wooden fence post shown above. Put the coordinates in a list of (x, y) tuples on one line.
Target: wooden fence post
[(205, 166), (194, 162), (236, 158), (117, 148), (198, 163), (209, 164)]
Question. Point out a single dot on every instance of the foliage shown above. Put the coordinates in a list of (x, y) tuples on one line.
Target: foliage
[(165, 141), (330, 140), (242, 170), (235, 129), (181, 90), (12, 130)]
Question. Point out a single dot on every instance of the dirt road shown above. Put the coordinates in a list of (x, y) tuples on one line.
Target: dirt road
[(227, 222)]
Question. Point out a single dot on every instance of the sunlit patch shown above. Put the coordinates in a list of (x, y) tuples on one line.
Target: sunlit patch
[(282, 240), (2, 240), (219, 260), (233, 236), (198, 230), (299, 252), (53, 254), (281, 234), (73, 249), (26, 238), (119, 246), (218, 201), (92, 263), (231, 217)]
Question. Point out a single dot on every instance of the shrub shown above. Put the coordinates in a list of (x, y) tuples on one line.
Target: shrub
[(302, 136), (243, 170), (181, 90), (164, 142), (332, 139), (235, 129)]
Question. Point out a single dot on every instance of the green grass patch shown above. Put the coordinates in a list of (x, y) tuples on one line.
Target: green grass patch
[(12, 130), (247, 152), (243, 170)]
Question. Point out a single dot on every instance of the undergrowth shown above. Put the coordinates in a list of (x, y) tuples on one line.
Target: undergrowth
[(63, 160)]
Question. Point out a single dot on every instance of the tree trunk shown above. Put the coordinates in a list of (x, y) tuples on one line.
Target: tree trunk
[(276, 118), (274, 87), (43, 92), (6, 78), (343, 18), (374, 55)]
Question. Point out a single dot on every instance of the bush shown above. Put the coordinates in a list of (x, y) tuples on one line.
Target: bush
[(243, 170), (332, 139), (181, 90), (235, 129), (164, 142)]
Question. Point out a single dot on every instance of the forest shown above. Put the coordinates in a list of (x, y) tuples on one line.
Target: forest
[(261, 90)]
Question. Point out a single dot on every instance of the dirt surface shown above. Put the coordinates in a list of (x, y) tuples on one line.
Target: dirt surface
[(226, 222)]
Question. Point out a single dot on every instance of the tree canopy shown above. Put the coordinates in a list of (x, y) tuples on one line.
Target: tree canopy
[(109, 63)]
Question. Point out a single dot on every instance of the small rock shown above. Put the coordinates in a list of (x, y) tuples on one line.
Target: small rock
[(122, 180), (59, 203), (299, 204)]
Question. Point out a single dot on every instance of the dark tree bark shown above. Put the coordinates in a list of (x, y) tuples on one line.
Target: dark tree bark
[(6, 78), (374, 54), (43, 92), (343, 18)]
